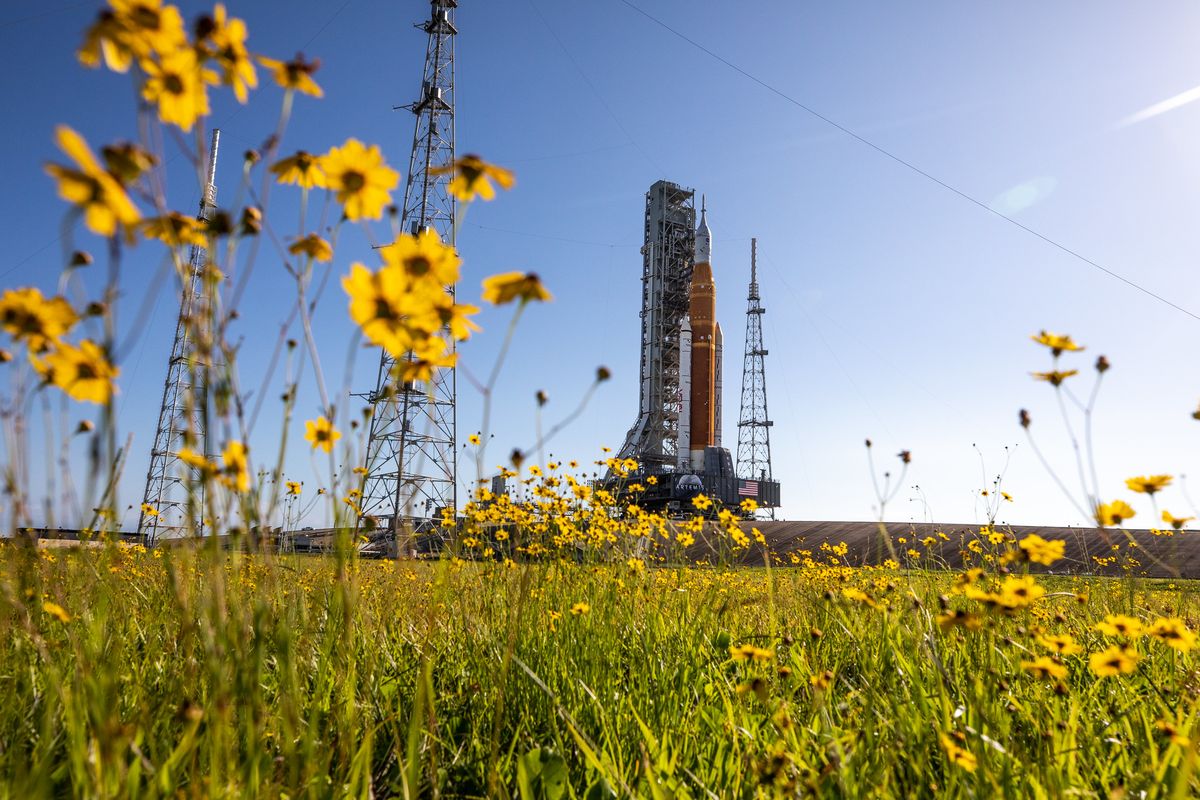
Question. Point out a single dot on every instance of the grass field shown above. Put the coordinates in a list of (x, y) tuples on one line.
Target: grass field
[(190, 672), (570, 643)]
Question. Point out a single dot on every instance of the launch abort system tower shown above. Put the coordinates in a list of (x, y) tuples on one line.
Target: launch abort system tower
[(677, 435)]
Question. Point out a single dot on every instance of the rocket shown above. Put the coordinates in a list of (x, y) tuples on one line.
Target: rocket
[(702, 383)]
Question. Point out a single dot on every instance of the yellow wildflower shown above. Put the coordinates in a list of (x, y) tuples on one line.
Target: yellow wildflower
[(1175, 522), (748, 652), (1121, 625), (194, 460), (102, 199), (424, 359), (1044, 667), (958, 755), (149, 510), (858, 595), (1148, 484), (959, 619), (1116, 660), (455, 318), (967, 578), (177, 85), (1054, 377), (312, 246), (423, 257), (506, 287), (1061, 643), (749, 505), (1174, 632), (131, 29), (126, 162), (702, 502), (224, 39), (1017, 592), (1056, 342), (321, 433), (235, 467), (381, 304), (293, 487), (1114, 513), (1041, 551), (175, 230), (38, 321), (56, 611), (1172, 733), (580, 609), (473, 177), (83, 372), (295, 74), (360, 179), (302, 169)]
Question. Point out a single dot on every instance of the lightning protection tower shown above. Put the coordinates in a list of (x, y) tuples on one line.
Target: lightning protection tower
[(168, 507), (754, 426), (411, 467)]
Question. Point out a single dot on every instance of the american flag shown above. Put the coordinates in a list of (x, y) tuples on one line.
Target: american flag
[(748, 489)]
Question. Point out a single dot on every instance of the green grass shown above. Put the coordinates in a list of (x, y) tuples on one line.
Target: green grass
[(205, 674)]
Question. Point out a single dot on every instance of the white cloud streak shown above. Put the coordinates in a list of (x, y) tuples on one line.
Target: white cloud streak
[(1170, 104)]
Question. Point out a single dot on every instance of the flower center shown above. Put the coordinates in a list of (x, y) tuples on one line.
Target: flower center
[(353, 181), (384, 310), (470, 171), (172, 83), (418, 266), (146, 17)]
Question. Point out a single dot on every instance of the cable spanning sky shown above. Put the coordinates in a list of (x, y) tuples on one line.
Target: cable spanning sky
[(897, 309)]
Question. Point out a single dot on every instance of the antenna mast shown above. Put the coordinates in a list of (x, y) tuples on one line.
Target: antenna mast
[(754, 426), (169, 508), (411, 459)]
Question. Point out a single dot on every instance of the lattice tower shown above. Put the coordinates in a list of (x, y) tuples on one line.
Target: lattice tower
[(173, 489), (411, 465), (754, 425)]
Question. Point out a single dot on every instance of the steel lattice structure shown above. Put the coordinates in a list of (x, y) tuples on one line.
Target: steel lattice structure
[(667, 260), (183, 415), (411, 465), (754, 426)]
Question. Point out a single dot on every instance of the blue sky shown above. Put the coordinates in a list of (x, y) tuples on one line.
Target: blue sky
[(896, 310)]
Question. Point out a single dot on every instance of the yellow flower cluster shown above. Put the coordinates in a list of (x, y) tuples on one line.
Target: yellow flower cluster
[(176, 72), (1041, 551), (83, 371), (404, 305)]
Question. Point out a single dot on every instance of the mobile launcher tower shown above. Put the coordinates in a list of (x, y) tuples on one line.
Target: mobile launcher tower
[(677, 435)]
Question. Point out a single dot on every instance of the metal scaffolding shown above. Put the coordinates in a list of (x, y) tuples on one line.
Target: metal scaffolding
[(667, 260), (754, 425), (411, 458), (173, 502)]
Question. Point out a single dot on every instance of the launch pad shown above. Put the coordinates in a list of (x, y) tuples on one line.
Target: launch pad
[(676, 439)]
